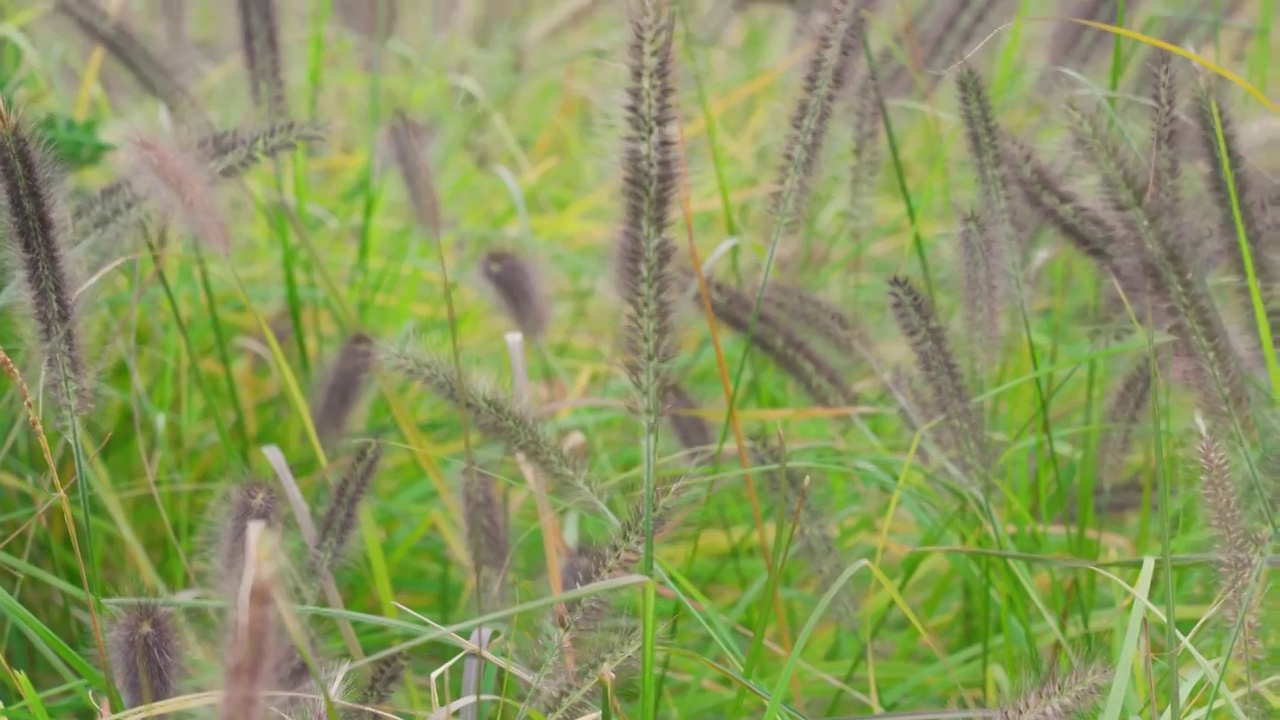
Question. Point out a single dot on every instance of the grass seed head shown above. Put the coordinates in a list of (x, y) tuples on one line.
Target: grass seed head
[(516, 282), (146, 652), (36, 233)]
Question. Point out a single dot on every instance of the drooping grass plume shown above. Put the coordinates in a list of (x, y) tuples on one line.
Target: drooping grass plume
[(1061, 697), (247, 666), (230, 153), (1166, 168), (146, 652), (809, 313), (1212, 113), (486, 520), (644, 251), (981, 283), (1129, 402), (939, 35), (518, 286), (226, 154), (251, 501), (1238, 546), (260, 40), (775, 337), (1001, 243), (36, 235), (1176, 283), (182, 186), (692, 432), (838, 41), (962, 431), (864, 171), (1050, 197), (123, 45), (494, 415), (408, 142), (1072, 45), (340, 515), (343, 386)]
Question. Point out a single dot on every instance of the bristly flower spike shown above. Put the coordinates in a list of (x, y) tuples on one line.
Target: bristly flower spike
[(34, 226), (343, 386), (146, 650), (826, 75), (644, 251), (515, 281)]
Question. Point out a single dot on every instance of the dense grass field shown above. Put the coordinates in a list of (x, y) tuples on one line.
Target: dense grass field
[(451, 371)]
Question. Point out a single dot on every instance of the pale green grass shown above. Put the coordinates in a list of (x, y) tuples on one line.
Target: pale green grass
[(962, 601)]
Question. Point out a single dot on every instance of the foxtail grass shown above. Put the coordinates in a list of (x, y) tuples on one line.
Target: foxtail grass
[(644, 251), (1237, 543), (260, 40), (344, 384), (1061, 697), (147, 652), (493, 414), (962, 432), (130, 51), (518, 286), (774, 337), (37, 236)]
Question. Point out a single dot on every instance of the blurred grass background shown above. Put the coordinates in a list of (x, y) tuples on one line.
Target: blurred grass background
[(524, 147)]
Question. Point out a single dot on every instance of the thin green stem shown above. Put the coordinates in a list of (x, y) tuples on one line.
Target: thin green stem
[(215, 320)]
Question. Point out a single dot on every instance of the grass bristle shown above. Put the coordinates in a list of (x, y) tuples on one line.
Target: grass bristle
[(516, 282), (1238, 545), (940, 371), (36, 235), (838, 41), (486, 520), (125, 46), (1061, 697), (1212, 114), (226, 154), (1129, 401), (146, 652), (260, 39), (776, 338), (340, 516), (408, 144), (344, 384), (252, 501), (691, 431), (644, 250), (494, 415), (182, 185), (382, 681), (999, 243)]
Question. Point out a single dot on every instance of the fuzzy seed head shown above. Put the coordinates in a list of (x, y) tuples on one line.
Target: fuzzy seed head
[(340, 517), (182, 185), (34, 233), (253, 501), (146, 653), (513, 278), (1061, 697), (343, 386), (919, 324), (838, 40), (486, 521), (645, 252)]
